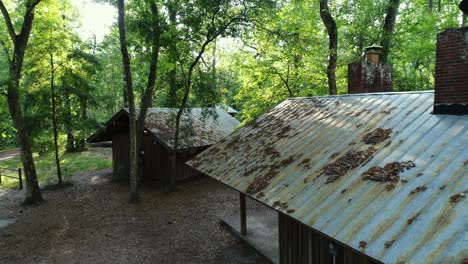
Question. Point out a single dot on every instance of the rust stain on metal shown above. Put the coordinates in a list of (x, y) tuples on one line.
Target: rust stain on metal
[(261, 182), (457, 197), (421, 188), (390, 172), (272, 152), (412, 219), (362, 244), (388, 111), (284, 132), (389, 187), (279, 204), (389, 243), (305, 165), (377, 136), (348, 161)]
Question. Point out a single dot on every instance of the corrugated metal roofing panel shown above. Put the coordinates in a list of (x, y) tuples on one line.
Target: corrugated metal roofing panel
[(290, 145), (198, 127)]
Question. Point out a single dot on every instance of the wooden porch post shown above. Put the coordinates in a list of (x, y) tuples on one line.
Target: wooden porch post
[(243, 214)]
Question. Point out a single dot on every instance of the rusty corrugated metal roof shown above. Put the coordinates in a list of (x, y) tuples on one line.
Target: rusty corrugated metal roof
[(417, 219), (198, 127)]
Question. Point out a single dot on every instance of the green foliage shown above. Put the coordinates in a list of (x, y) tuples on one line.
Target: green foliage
[(275, 50)]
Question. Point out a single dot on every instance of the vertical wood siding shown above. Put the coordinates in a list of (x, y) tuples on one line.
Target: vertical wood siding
[(300, 244), (155, 162), (121, 155)]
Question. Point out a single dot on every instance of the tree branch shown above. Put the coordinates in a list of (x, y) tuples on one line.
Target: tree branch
[(28, 18), (6, 16), (152, 75)]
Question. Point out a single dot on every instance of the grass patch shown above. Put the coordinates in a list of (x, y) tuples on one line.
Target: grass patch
[(71, 163)]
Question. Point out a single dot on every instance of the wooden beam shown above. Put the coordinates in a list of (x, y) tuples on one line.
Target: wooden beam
[(243, 214)]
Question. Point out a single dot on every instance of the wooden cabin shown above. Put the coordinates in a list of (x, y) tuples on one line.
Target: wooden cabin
[(200, 128)]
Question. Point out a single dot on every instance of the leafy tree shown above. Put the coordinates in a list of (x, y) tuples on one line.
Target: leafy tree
[(20, 42)]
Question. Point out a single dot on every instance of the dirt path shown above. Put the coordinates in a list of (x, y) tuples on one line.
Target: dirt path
[(92, 222)]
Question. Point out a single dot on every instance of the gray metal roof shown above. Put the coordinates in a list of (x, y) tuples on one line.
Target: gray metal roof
[(410, 220), (199, 126)]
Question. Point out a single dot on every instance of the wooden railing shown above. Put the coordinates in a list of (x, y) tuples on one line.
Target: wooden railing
[(12, 174)]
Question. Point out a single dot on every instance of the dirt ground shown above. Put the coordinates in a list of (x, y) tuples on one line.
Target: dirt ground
[(92, 222)]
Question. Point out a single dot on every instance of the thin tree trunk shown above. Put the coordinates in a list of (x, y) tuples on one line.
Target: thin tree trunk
[(183, 105), (332, 45), (147, 99), (172, 54), (136, 125), (388, 28), (81, 144), (68, 119), (33, 193), (54, 118), (134, 196)]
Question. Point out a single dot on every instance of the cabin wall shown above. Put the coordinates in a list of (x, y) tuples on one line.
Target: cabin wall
[(121, 155), (155, 163), (301, 244)]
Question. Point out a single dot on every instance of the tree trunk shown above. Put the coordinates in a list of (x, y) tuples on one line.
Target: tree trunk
[(172, 54), (332, 45), (388, 28), (70, 147), (134, 196), (430, 4), (33, 193), (81, 143), (54, 118), (183, 105), (136, 125)]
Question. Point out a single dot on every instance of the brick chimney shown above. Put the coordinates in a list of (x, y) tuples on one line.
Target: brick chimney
[(451, 73), (370, 76)]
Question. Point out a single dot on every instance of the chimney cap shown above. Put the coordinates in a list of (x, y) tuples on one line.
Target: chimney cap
[(374, 49)]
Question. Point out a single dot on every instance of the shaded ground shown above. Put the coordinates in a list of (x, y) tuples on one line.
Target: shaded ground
[(92, 222), (262, 231)]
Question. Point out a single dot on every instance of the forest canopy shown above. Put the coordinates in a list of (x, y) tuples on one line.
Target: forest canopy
[(248, 54)]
